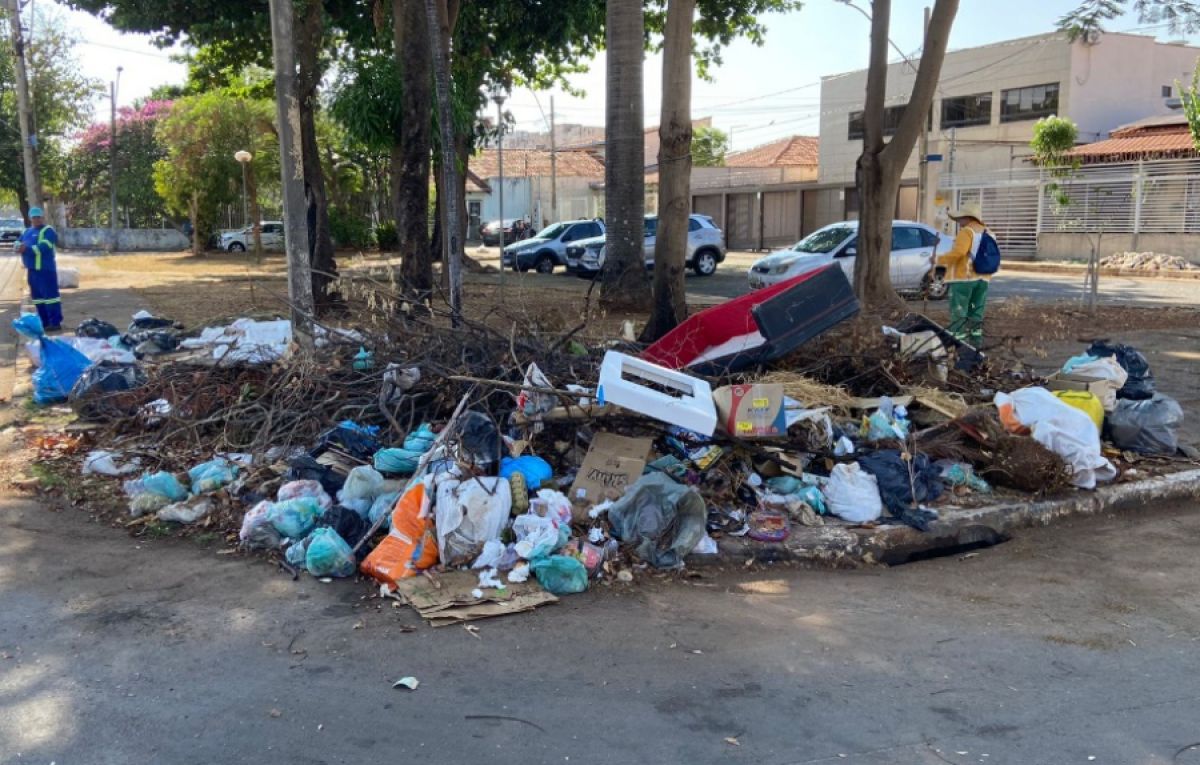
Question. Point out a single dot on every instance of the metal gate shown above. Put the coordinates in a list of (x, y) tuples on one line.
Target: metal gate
[(711, 206), (780, 218), (741, 229)]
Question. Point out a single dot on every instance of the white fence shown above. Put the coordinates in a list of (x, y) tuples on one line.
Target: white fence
[(1153, 197)]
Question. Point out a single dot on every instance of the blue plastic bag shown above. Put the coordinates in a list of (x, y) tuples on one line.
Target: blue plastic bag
[(294, 518), (212, 475), (420, 440), (328, 554), (397, 461), (165, 484), (383, 506), (560, 574), (61, 367), (535, 469)]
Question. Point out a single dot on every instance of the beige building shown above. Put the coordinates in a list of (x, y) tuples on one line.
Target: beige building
[(989, 98)]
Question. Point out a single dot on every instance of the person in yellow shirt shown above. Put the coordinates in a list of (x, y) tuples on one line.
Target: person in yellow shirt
[(968, 290)]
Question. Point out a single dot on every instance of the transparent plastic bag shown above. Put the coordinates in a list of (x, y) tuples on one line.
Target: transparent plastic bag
[(560, 574), (328, 554)]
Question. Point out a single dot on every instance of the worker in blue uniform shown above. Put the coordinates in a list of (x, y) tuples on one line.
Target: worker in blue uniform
[(37, 248)]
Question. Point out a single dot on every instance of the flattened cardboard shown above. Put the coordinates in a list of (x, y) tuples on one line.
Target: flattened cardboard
[(446, 599), (751, 411), (612, 464)]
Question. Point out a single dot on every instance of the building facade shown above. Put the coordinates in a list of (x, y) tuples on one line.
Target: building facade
[(532, 186), (987, 102)]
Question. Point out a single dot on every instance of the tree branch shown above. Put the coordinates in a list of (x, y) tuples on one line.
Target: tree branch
[(928, 74), (877, 71)]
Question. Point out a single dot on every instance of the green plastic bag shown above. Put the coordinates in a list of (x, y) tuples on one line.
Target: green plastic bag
[(560, 574)]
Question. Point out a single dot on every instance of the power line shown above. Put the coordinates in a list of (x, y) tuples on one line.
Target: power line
[(161, 56)]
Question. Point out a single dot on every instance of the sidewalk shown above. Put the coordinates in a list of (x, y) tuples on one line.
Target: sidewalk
[(1068, 267)]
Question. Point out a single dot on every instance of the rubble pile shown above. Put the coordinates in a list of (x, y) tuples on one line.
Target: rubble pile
[(1147, 261), (517, 469)]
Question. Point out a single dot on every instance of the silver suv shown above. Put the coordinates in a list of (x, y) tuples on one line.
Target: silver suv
[(705, 248)]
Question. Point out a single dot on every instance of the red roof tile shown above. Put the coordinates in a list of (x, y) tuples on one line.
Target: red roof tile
[(793, 151), (531, 163), (1157, 144)]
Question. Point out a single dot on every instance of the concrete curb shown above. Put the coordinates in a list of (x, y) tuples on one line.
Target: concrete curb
[(839, 546), (1080, 270)]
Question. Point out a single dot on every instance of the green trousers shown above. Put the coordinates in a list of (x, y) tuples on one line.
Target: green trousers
[(967, 302)]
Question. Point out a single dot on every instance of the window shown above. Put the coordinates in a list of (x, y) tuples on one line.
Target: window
[(1166, 91), (1028, 103), (906, 238), (928, 238), (582, 231), (651, 226), (694, 225), (961, 111), (891, 120)]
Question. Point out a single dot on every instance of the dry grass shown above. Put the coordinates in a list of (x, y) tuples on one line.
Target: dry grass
[(808, 391)]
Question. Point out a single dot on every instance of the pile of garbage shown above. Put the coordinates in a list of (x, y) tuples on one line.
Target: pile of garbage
[(1147, 261), (527, 468)]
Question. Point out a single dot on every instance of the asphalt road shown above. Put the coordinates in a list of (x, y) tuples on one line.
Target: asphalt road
[(1069, 644), (731, 281)]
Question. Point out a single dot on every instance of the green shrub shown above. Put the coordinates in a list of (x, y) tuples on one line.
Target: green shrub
[(386, 237), (349, 230)]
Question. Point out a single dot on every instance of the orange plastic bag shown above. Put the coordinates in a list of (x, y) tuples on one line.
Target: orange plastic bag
[(409, 547)]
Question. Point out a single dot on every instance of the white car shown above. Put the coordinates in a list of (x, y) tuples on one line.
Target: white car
[(912, 264), (243, 239)]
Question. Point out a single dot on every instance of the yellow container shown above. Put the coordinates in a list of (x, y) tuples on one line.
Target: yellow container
[(1085, 402)]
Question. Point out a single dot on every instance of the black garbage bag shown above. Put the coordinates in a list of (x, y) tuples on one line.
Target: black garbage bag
[(306, 468), (93, 327), (358, 441), (1148, 426), (1140, 385), (902, 490), (102, 391), (149, 322), (349, 525), (152, 342), (479, 440)]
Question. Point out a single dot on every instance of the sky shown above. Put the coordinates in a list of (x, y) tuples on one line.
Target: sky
[(759, 94)]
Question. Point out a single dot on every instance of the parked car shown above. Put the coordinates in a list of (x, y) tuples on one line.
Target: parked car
[(11, 229), (548, 247), (705, 248), (243, 239), (912, 261), (490, 233)]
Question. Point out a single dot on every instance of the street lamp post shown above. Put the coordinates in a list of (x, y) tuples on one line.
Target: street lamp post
[(112, 155), (498, 97), (243, 158)]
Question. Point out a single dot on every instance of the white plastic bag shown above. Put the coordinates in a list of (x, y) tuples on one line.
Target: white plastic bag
[(106, 463), (1062, 429), (298, 489), (362, 486), (852, 494), (1105, 368), (468, 514), (185, 512)]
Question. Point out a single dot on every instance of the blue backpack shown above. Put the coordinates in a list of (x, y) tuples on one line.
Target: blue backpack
[(987, 257)]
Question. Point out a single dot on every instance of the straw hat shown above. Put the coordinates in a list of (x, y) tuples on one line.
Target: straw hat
[(969, 210)]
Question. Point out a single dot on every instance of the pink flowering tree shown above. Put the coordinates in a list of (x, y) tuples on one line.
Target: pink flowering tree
[(88, 184)]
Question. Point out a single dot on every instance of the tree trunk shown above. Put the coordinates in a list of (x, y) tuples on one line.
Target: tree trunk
[(674, 173), (448, 191), (410, 155), (880, 168), (320, 238), (623, 278), (194, 216)]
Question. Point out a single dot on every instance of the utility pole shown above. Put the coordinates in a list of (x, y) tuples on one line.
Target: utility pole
[(33, 180), (923, 144), (553, 167), (498, 97), (295, 207), (112, 156)]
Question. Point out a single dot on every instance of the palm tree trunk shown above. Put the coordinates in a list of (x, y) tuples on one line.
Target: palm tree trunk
[(624, 282), (674, 173), (448, 191), (414, 142)]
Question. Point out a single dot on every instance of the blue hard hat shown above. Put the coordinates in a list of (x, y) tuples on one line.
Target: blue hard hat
[(36, 212)]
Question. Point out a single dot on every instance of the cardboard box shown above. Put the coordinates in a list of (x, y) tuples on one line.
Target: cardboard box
[(1068, 381), (612, 464), (751, 411)]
